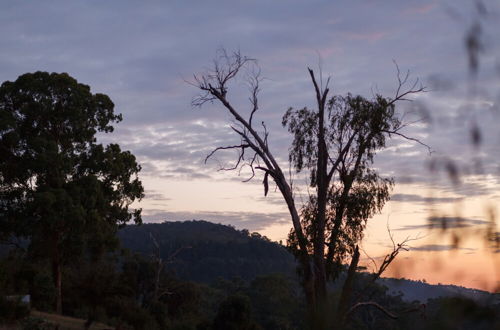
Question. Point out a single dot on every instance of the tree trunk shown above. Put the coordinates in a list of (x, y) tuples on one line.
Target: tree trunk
[(319, 240), (57, 277), (319, 269), (345, 297), (319, 232), (156, 293)]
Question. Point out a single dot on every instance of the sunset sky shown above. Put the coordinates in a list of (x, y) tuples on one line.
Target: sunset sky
[(142, 53)]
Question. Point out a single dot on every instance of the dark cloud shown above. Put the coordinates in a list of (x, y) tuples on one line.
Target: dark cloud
[(155, 196), (453, 222), (438, 247), (445, 223), (494, 239)]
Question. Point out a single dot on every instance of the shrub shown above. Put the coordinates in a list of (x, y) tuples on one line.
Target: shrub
[(35, 323), (12, 310)]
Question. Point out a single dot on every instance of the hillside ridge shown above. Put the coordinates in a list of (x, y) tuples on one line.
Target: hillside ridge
[(204, 251)]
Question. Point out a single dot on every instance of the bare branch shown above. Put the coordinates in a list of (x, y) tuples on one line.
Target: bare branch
[(250, 164), (160, 264), (214, 87), (176, 252), (214, 81), (321, 94), (372, 304), (239, 146), (396, 132), (254, 80), (371, 259), (401, 91), (340, 156), (389, 258), (266, 134), (417, 308)]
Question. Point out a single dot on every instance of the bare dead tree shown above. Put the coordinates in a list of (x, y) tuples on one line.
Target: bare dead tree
[(160, 265), (214, 86), (337, 150)]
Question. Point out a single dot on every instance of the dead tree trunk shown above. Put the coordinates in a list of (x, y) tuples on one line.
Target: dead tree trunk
[(322, 190)]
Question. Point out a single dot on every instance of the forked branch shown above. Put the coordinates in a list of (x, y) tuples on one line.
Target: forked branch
[(214, 87), (225, 67), (372, 304), (418, 308), (402, 91), (396, 248)]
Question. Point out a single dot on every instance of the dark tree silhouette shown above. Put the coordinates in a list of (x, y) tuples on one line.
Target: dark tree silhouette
[(235, 313), (59, 188), (336, 143)]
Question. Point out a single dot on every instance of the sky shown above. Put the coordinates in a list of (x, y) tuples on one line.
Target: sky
[(143, 54)]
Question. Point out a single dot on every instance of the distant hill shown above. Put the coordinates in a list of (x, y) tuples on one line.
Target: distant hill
[(421, 291), (204, 251)]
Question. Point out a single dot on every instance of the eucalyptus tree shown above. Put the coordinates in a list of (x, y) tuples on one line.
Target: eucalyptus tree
[(336, 142), (59, 188)]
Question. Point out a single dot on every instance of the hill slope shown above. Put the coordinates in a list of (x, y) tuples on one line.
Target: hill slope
[(203, 251), (421, 291)]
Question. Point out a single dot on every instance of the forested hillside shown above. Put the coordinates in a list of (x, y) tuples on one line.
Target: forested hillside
[(422, 291), (203, 251), (131, 289)]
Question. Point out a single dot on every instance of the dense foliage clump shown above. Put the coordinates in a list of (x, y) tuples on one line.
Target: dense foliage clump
[(62, 191)]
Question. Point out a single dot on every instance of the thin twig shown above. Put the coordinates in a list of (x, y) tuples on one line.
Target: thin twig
[(372, 304)]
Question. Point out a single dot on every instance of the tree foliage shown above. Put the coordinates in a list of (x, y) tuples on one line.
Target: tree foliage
[(58, 186), (336, 142), (355, 130), (203, 251)]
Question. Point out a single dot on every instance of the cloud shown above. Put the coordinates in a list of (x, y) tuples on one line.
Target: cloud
[(421, 199), (445, 223), (155, 196), (253, 221), (438, 247), (453, 222), (140, 54), (420, 9), (494, 238), (367, 36), (274, 199)]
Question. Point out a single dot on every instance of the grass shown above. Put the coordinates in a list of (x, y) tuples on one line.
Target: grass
[(63, 322), (67, 322)]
